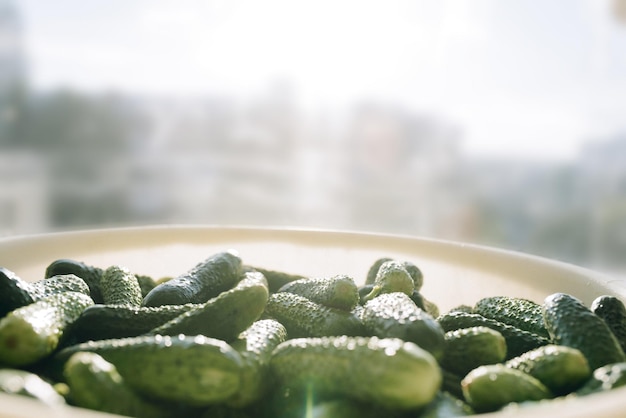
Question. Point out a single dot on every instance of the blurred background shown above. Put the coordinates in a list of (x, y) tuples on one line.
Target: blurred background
[(491, 122)]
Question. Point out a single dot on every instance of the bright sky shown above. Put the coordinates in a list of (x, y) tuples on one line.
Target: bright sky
[(532, 78)]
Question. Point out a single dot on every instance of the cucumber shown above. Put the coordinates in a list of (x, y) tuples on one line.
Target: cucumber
[(224, 316), (59, 284), (194, 370), (517, 341), (100, 322), (120, 287), (206, 280), (146, 283), (613, 312), (32, 332), (489, 388), (338, 292), (24, 383), (305, 318), (572, 324), (384, 371), (90, 274), (395, 315), (411, 268), (275, 279), (561, 369), (14, 292), (446, 405), (96, 384), (391, 277), (518, 312), (468, 348), (605, 378), (256, 345)]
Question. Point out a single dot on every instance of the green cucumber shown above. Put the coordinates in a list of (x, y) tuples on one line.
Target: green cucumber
[(275, 278), (305, 318), (90, 274), (338, 292), (518, 312), (605, 378), (194, 370), (384, 371), (468, 348), (15, 292), (96, 384), (59, 284), (206, 280), (256, 345), (24, 383), (396, 315), (120, 287), (572, 324), (224, 316), (32, 332), (613, 312), (391, 277)]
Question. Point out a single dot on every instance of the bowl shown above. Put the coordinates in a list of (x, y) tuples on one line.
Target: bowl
[(454, 274)]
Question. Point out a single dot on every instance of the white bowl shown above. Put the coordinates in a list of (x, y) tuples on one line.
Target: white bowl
[(454, 274)]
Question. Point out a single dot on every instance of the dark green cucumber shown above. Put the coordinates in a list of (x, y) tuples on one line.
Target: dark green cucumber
[(305, 318), (383, 371), (338, 292), (120, 287), (256, 345), (24, 383), (14, 292), (224, 316), (206, 280), (59, 284), (395, 315), (32, 332), (468, 348), (90, 274), (489, 388), (96, 384), (517, 341), (275, 279), (518, 312), (561, 369), (572, 324), (100, 322), (146, 283), (613, 312), (194, 370)]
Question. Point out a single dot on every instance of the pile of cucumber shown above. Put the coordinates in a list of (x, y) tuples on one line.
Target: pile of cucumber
[(226, 339)]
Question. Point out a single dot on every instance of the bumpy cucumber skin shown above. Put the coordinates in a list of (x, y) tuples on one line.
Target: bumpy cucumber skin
[(561, 369), (468, 348), (256, 345), (395, 315), (414, 271), (338, 292), (96, 384), (391, 277), (194, 370), (100, 322), (605, 378), (31, 333), (14, 292), (224, 316), (120, 287), (613, 312), (206, 280), (90, 274), (520, 313), (488, 388), (572, 324), (305, 318), (59, 284), (146, 283), (24, 383), (517, 341), (384, 371)]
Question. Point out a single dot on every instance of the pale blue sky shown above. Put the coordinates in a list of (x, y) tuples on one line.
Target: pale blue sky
[(532, 78)]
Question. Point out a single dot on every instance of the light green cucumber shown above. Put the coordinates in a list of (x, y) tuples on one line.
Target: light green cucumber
[(384, 371), (391, 277), (120, 287), (489, 388), (561, 369), (468, 348), (24, 383), (305, 318), (194, 370), (96, 384), (31, 333), (605, 378), (338, 292), (59, 284), (256, 345), (224, 316)]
